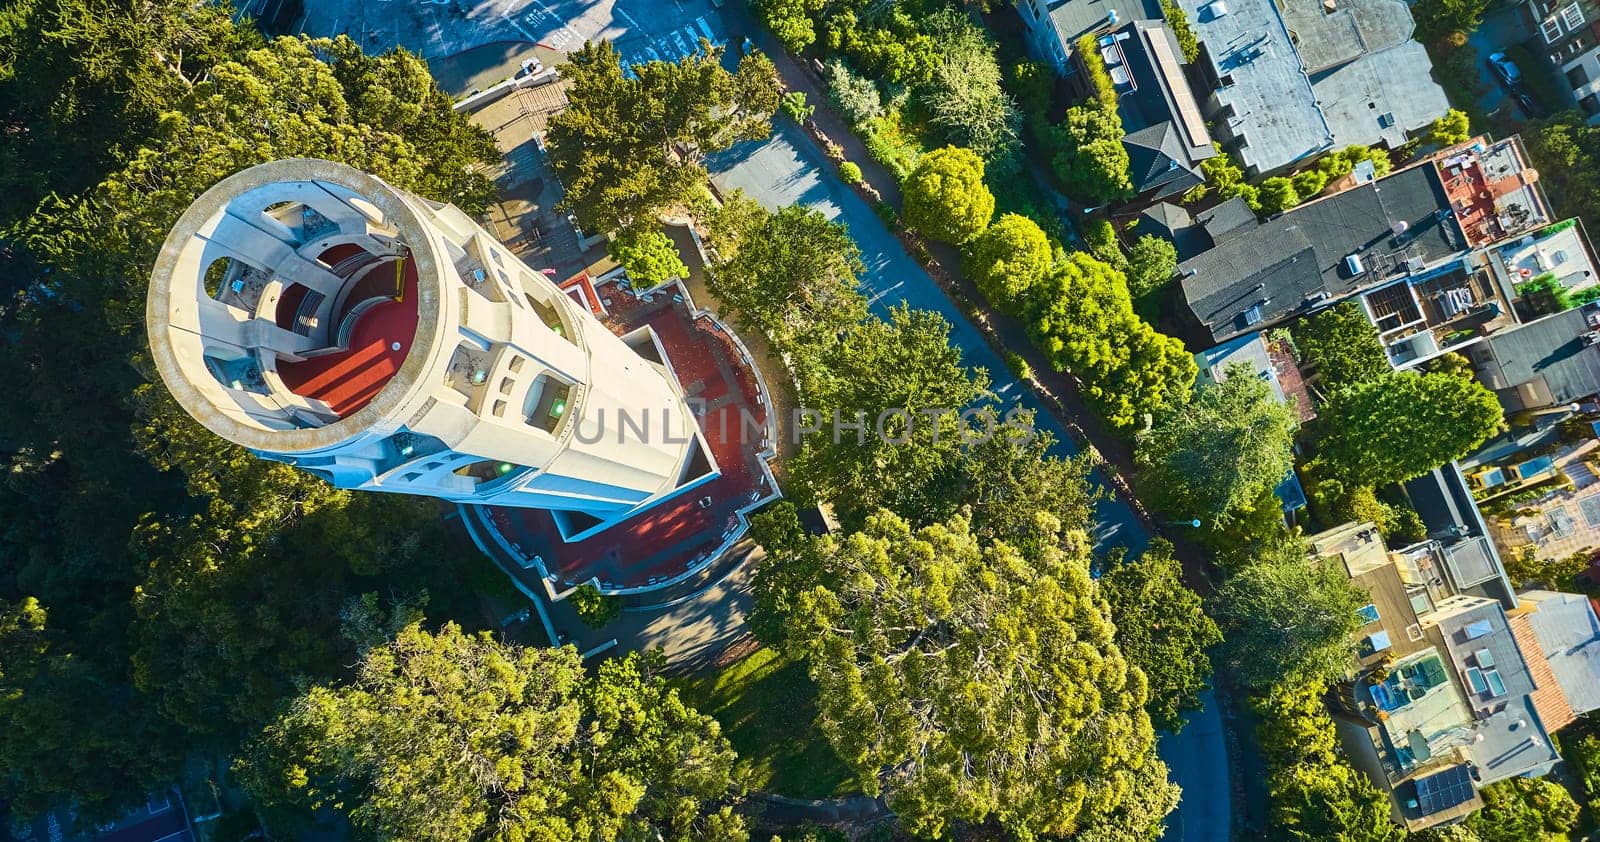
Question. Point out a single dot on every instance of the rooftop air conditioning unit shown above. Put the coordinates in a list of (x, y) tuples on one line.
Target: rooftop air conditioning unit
[(1415, 264), (1353, 264)]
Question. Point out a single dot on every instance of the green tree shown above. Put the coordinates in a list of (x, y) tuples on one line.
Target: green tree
[(904, 382), (854, 95), (1224, 179), (919, 638), (1163, 631), (198, 623), (1524, 810), (649, 256), (1450, 129), (945, 197), (1007, 259), (1287, 618), (1342, 344), (1568, 151), (1088, 156), (1308, 184), (964, 98), (793, 105), (1403, 425), (497, 742), (80, 83), (1437, 19), (787, 568), (627, 148), (594, 608), (1152, 262), (790, 20), (792, 275), (1314, 803), (1277, 194), (1082, 317), (1217, 454)]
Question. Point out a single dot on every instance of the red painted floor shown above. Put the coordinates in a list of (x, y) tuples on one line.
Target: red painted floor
[(349, 380), (665, 540)]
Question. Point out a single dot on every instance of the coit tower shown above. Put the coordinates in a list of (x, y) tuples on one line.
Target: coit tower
[(321, 317)]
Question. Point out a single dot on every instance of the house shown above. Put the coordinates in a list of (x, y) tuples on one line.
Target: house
[(1564, 629), (1410, 245), (1440, 701), (1194, 233), (1268, 360), (1165, 136), (1546, 364), (1371, 78), (1054, 27), (1567, 37), (1285, 82)]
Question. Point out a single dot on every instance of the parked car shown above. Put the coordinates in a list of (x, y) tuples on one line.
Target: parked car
[(1506, 69)]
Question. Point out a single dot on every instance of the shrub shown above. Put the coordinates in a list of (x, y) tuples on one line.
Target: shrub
[(1105, 91), (850, 172), (1277, 194), (1151, 264), (1178, 21), (794, 106), (594, 608), (1308, 184), (855, 96), (1019, 366)]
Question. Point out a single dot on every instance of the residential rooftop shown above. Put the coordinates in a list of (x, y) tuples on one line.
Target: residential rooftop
[(1568, 633), (1165, 135), (1262, 101), (1551, 361), (1440, 689), (1371, 79), (1074, 19), (1320, 252)]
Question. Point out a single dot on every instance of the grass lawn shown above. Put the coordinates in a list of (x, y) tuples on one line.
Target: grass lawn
[(768, 707)]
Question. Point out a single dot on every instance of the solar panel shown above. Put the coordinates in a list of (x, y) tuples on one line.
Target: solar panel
[(1439, 792), (1194, 128)]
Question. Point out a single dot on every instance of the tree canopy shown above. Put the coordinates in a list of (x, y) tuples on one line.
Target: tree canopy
[(1162, 630), (943, 664), (964, 98), (626, 149), (1404, 424), (1152, 263), (1217, 454), (945, 197), (455, 736), (1089, 157), (649, 256), (1287, 618), (887, 376), (1343, 345), (1008, 258), (792, 275), (1082, 316)]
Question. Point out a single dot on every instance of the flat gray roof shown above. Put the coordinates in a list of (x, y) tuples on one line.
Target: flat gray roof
[(1569, 635), (1550, 349), (1273, 105), (1075, 18), (1380, 96), (1508, 739)]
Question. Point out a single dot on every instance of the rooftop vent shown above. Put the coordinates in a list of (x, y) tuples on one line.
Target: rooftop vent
[(1252, 315), (1400, 228), (1386, 120), (1352, 263), (1415, 264)]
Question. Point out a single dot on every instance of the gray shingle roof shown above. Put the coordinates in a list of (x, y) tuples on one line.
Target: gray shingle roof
[(1299, 258)]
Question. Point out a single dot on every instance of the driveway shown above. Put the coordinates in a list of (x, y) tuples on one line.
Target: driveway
[(1502, 27), (788, 169)]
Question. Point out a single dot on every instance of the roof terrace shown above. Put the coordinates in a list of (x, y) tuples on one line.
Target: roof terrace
[(1492, 190)]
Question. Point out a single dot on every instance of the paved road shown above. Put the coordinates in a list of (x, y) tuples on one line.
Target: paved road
[(788, 169)]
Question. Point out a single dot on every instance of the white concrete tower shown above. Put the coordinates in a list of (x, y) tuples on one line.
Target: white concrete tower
[(318, 316)]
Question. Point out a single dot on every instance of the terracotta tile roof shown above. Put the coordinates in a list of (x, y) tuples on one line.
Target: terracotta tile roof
[(1548, 699)]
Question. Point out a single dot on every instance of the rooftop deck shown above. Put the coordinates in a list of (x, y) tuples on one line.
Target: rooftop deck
[(1491, 189)]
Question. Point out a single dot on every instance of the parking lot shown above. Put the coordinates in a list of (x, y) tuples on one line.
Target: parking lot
[(471, 42)]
